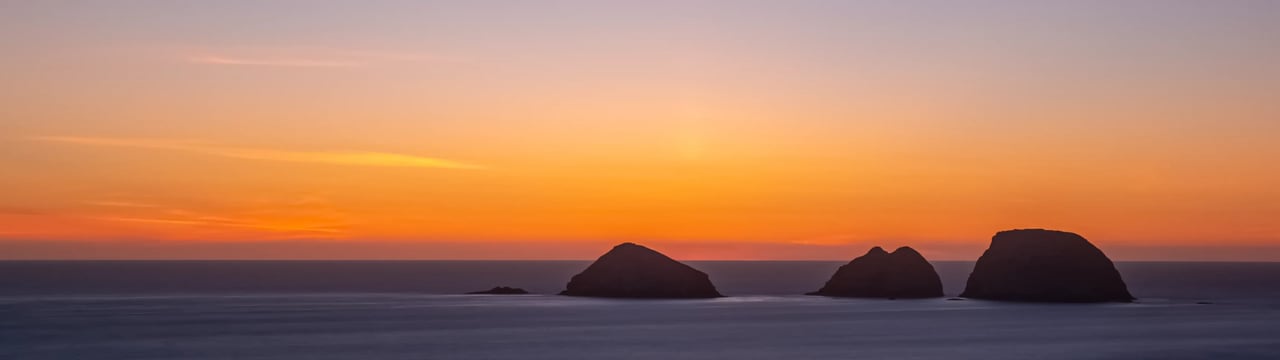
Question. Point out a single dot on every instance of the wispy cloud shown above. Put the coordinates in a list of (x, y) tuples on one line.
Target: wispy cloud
[(309, 215), (7, 210), (350, 158), (120, 204), (223, 60), (829, 240), (306, 57), (222, 222)]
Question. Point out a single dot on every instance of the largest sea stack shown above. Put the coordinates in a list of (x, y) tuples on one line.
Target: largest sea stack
[(634, 271), (1037, 265)]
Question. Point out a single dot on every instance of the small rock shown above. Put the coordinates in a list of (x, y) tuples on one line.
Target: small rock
[(500, 290)]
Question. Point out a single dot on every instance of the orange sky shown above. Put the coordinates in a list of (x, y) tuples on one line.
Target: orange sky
[(714, 130)]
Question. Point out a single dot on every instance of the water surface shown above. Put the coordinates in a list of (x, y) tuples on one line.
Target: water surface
[(407, 310)]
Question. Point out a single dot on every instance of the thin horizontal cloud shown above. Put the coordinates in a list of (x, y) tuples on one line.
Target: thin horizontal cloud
[(830, 240), (6, 210), (221, 60), (349, 158), (272, 218), (221, 222), (120, 204), (306, 57)]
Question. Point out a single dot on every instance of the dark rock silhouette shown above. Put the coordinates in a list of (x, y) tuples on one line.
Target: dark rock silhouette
[(500, 290), (1045, 266), (634, 271), (878, 274)]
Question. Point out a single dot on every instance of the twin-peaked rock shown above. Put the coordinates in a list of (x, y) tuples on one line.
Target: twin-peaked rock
[(879, 274)]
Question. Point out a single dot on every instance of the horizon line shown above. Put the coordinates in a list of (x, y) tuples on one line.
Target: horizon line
[(550, 260)]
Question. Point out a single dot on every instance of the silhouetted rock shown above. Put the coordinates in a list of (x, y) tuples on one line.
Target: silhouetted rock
[(878, 274), (500, 290), (634, 271), (1045, 266)]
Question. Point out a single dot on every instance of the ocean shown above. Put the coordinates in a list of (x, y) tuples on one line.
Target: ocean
[(413, 310)]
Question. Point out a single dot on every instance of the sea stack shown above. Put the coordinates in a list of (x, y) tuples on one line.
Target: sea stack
[(903, 274), (1039, 265), (634, 271)]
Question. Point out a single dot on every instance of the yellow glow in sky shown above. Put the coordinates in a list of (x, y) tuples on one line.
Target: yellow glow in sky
[(717, 130)]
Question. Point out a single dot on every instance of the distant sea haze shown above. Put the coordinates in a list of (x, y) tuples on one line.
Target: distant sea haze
[(1147, 280)]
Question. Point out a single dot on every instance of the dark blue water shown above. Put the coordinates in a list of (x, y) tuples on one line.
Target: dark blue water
[(408, 310)]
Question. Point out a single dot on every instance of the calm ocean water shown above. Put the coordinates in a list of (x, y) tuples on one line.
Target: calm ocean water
[(410, 310)]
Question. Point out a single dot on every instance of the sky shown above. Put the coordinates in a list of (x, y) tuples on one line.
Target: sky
[(707, 129)]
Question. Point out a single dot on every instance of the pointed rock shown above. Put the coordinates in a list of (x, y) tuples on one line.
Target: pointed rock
[(879, 274), (634, 271), (1045, 266)]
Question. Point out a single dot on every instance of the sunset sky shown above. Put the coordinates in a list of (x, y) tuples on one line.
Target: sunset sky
[(707, 129)]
